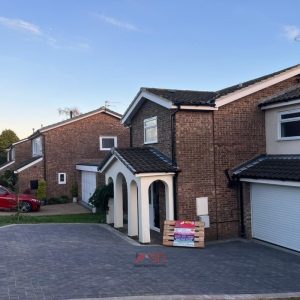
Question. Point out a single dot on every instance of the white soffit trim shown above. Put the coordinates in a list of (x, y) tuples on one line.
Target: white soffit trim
[(75, 119), (107, 163), (6, 165), (223, 100), (197, 107), (20, 141), (144, 94), (87, 168), (274, 182), (29, 165), (154, 174), (280, 104)]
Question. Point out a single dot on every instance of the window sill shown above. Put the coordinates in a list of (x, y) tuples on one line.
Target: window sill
[(149, 143), (297, 138)]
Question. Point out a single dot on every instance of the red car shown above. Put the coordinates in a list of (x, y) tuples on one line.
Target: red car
[(8, 200)]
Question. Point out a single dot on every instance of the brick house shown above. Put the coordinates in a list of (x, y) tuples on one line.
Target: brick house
[(68, 152), (183, 146), (269, 185)]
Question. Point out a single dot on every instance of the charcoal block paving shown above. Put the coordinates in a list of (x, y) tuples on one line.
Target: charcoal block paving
[(69, 261)]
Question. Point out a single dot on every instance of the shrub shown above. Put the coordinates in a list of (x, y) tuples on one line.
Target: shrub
[(9, 179), (58, 200), (74, 189), (42, 190), (101, 196)]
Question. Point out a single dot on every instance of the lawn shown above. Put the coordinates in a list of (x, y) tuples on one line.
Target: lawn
[(78, 218)]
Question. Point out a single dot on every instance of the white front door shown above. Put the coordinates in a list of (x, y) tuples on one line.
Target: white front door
[(276, 214), (88, 185), (154, 207)]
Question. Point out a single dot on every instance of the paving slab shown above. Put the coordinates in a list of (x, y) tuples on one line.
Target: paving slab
[(81, 261)]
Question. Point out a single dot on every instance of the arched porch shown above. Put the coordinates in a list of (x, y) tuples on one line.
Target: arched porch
[(140, 197)]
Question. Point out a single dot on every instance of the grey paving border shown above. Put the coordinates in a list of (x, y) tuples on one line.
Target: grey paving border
[(203, 297)]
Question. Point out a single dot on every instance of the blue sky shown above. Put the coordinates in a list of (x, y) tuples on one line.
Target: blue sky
[(61, 53)]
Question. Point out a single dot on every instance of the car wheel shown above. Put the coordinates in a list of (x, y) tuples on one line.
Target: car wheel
[(25, 206)]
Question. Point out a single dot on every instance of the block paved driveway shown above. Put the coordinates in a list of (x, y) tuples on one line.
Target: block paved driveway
[(56, 261)]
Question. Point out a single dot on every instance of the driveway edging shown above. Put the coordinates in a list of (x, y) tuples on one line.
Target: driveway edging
[(272, 296)]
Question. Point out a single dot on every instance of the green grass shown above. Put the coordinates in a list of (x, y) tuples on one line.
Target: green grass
[(78, 218)]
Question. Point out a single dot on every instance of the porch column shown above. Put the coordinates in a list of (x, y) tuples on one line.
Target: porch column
[(118, 202), (132, 209), (143, 201), (169, 199)]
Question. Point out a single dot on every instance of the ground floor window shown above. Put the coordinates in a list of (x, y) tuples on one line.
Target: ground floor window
[(62, 178)]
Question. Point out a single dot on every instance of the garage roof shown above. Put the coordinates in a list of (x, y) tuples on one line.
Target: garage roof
[(276, 167)]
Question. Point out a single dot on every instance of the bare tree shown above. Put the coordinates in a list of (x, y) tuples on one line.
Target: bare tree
[(69, 111)]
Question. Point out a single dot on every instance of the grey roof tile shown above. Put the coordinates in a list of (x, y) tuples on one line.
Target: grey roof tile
[(142, 160), (276, 167)]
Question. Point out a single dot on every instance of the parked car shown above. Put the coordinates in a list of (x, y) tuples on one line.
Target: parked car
[(8, 200)]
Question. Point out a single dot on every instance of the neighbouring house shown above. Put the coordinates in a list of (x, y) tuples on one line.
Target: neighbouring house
[(67, 153), (183, 146), (270, 183)]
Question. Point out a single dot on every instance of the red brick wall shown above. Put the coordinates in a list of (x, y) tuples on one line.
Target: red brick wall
[(23, 151), (76, 142), (150, 109), (195, 158), (36, 172), (239, 136)]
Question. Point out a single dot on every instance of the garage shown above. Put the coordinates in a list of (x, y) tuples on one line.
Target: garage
[(275, 213)]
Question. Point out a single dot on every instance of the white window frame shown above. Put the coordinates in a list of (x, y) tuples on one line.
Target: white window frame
[(62, 181), (147, 127), (281, 121), (108, 137), (37, 151)]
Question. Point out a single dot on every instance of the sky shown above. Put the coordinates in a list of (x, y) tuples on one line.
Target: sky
[(65, 53)]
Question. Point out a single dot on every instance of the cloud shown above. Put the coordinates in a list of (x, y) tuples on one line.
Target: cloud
[(21, 25), (291, 32), (117, 23), (48, 38)]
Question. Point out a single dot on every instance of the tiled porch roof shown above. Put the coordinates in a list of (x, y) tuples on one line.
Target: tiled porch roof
[(142, 160)]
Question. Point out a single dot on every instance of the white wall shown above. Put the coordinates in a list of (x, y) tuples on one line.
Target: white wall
[(274, 145)]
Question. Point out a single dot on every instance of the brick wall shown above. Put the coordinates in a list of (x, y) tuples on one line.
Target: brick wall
[(76, 142), (195, 158), (36, 172), (22, 153), (239, 133), (150, 109)]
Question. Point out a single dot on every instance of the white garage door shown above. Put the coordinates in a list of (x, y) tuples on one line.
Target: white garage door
[(88, 185), (276, 214)]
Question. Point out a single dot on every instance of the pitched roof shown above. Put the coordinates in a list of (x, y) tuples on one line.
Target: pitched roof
[(25, 163), (205, 100), (184, 96), (285, 96), (142, 160), (77, 118), (276, 167), (188, 97)]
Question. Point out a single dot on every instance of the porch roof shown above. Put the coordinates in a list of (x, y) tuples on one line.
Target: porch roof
[(141, 160)]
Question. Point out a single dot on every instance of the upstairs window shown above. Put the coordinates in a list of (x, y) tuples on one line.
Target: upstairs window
[(37, 148), (11, 154), (108, 142), (289, 123), (150, 130)]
